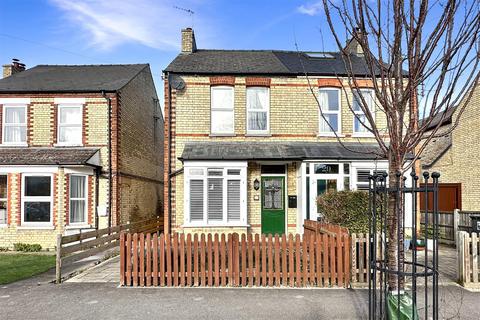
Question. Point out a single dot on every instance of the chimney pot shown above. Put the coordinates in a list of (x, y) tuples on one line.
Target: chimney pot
[(188, 41), (15, 67)]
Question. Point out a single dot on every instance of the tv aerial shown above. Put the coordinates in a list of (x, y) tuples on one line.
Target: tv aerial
[(186, 10)]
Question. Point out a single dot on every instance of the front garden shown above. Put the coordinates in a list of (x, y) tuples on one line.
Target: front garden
[(17, 266)]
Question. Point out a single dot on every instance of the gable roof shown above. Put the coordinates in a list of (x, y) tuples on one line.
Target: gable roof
[(444, 117), (263, 62), (71, 78)]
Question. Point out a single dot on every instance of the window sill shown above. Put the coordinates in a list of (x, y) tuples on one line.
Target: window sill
[(258, 135), (35, 227), (363, 135), (8, 145), (330, 135), (215, 135), (68, 145), (3, 225), (78, 226)]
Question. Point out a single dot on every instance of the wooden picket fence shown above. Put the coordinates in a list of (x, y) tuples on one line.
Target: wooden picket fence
[(468, 250), (315, 227), (231, 260)]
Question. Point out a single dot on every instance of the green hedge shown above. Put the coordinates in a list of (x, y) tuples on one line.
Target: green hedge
[(26, 247), (346, 208)]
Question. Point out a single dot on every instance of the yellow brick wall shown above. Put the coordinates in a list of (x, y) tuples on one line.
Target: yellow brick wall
[(461, 163), (294, 116)]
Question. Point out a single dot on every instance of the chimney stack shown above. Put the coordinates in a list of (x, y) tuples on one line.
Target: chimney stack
[(15, 67), (353, 46), (188, 41)]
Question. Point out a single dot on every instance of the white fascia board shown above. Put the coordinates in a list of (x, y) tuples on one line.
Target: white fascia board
[(28, 169), (14, 100), (221, 164)]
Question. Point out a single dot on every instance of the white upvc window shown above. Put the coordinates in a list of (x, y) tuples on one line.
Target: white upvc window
[(258, 107), (69, 124), (37, 199), (360, 118), (215, 194), (14, 124), (3, 199), (222, 110), (329, 101), (78, 199)]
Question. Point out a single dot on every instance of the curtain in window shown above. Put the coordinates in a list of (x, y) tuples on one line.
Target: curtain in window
[(257, 105), (15, 128), (77, 199), (328, 100)]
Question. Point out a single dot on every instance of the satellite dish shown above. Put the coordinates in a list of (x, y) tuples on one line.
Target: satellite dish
[(177, 83)]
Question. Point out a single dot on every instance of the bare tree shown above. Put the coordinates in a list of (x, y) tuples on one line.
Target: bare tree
[(422, 58)]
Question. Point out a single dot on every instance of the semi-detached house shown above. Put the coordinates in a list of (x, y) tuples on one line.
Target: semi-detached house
[(81, 148), (246, 149)]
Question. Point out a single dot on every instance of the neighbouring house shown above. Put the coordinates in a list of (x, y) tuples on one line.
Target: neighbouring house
[(81, 148), (246, 149), (455, 154)]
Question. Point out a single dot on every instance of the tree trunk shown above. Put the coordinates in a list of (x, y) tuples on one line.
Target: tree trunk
[(395, 223)]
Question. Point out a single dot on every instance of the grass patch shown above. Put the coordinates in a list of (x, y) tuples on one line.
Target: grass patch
[(14, 267)]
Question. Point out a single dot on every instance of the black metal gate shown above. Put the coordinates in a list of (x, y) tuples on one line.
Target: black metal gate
[(403, 275)]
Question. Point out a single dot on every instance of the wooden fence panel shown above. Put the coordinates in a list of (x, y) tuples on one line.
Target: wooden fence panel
[(233, 260)]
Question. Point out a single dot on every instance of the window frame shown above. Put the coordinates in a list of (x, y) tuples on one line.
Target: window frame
[(267, 111), (76, 125), (232, 110), (25, 198), (366, 133), (224, 167), (338, 113), (70, 198), (5, 200), (5, 125)]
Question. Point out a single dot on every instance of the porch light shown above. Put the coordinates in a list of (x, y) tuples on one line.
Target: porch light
[(256, 184)]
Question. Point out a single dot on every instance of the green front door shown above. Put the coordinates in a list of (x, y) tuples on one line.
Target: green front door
[(273, 205)]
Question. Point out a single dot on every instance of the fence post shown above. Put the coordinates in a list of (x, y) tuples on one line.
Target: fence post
[(58, 262), (461, 256), (456, 216)]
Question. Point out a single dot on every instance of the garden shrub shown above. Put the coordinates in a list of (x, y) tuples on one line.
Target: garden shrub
[(345, 208), (27, 247)]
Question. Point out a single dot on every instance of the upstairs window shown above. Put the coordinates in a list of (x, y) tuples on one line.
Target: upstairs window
[(258, 105), (14, 124), (360, 119), (329, 101), (70, 124), (222, 115)]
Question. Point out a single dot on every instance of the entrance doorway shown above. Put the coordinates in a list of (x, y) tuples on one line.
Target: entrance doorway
[(273, 205)]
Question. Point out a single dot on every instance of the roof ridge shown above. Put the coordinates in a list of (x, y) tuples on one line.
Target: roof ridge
[(91, 65)]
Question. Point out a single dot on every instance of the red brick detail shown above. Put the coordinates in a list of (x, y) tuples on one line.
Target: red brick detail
[(19, 199), (258, 82), (329, 82), (116, 116), (54, 123), (223, 80), (55, 200), (364, 83), (90, 196), (84, 124), (9, 198), (1, 122), (67, 199), (29, 124)]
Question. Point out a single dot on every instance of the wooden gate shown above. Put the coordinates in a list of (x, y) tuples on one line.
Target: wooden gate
[(215, 260)]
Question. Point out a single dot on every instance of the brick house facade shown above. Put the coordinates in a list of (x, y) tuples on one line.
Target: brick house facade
[(244, 138), (56, 179), (455, 153)]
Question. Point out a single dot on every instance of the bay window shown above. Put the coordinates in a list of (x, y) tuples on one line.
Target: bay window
[(70, 124), (222, 110), (215, 194), (78, 199), (14, 124), (360, 119), (329, 101), (258, 105), (37, 199)]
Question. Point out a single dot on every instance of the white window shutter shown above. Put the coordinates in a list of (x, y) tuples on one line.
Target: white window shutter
[(196, 200), (233, 200), (215, 199)]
